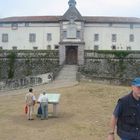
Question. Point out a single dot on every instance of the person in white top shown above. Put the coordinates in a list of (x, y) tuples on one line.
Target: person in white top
[(43, 99), (30, 102)]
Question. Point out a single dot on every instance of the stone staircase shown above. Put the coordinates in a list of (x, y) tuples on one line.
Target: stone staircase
[(67, 75), (65, 78)]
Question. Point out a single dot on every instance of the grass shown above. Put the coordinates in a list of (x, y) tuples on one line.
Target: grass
[(84, 113)]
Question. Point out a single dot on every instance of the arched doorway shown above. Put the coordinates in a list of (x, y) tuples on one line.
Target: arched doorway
[(71, 55)]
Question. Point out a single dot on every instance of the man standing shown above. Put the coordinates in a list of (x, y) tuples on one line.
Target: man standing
[(126, 115), (30, 102), (43, 99)]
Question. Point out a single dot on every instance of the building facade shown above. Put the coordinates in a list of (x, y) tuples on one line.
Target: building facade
[(70, 33)]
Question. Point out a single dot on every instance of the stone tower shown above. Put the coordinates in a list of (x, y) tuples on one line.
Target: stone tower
[(72, 43)]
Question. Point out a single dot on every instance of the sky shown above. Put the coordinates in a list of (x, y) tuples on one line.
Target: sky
[(120, 8)]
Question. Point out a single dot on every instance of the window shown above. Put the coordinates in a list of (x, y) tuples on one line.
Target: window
[(56, 47), (35, 48), (110, 24), (128, 47), (96, 47), (14, 47), (32, 37), (64, 34), (96, 37), (78, 34), (49, 47), (1, 24), (49, 36), (1, 48), (114, 37), (14, 26), (26, 24), (131, 26), (4, 37), (131, 38), (113, 47)]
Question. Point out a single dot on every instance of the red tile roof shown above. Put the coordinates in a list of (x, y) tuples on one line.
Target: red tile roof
[(90, 19), (87, 19), (31, 19)]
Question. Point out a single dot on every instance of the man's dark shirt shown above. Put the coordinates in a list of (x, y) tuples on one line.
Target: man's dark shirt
[(119, 109)]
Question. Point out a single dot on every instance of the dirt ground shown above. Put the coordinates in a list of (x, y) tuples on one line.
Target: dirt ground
[(84, 114)]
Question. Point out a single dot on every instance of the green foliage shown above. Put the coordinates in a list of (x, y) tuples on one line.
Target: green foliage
[(121, 54), (11, 61), (0, 68), (28, 70), (118, 54)]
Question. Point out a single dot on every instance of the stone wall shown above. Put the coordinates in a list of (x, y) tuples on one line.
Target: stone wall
[(119, 69), (21, 68), (28, 81), (20, 64)]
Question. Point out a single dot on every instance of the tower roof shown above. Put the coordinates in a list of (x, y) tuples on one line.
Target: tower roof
[(72, 12), (72, 3)]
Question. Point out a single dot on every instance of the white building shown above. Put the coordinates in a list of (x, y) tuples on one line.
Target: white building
[(70, 33)]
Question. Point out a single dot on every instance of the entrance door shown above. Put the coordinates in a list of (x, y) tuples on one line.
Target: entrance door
[(71, 55)]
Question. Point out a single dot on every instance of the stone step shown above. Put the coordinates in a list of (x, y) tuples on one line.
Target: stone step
[(68, 73)]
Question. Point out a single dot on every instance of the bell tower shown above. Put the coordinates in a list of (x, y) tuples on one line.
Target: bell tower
[(72, 43), (72, 3)]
